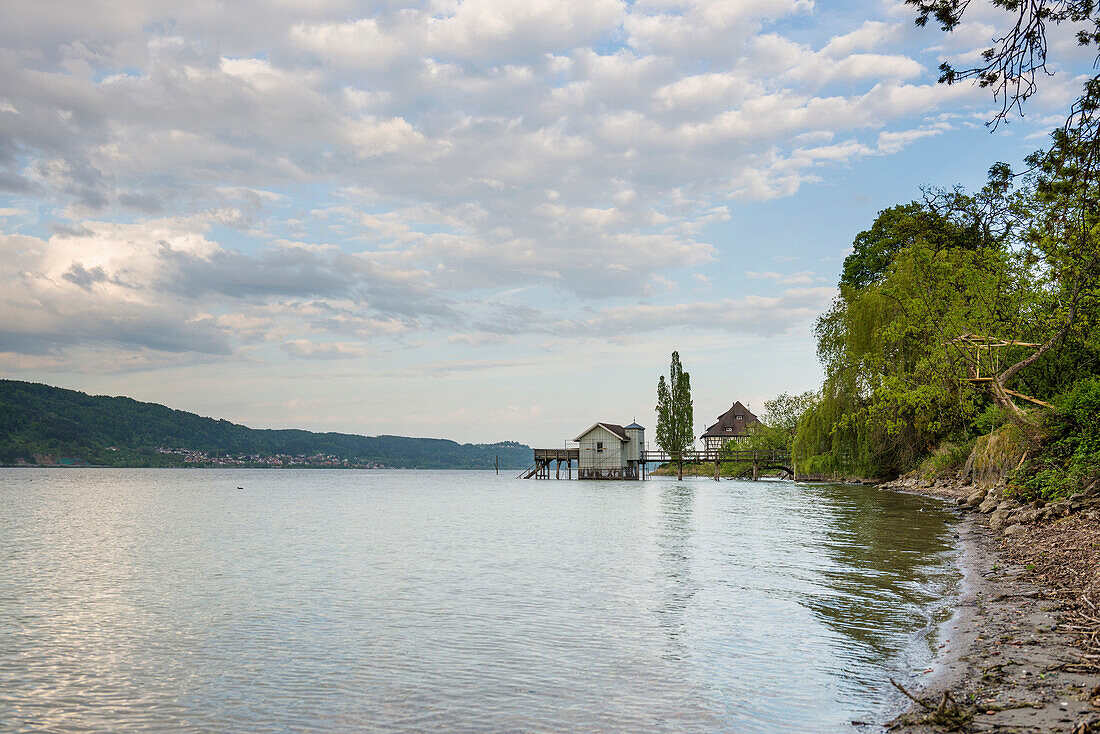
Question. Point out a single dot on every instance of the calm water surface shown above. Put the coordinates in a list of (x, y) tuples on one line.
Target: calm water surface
[(159, 600)]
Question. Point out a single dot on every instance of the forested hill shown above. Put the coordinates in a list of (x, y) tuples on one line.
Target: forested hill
[(66, 426)]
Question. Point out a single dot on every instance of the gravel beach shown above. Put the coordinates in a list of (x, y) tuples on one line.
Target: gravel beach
[(1022, 653)]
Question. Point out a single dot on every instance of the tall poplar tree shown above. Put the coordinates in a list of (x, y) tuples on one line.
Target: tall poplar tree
[(675, 418)]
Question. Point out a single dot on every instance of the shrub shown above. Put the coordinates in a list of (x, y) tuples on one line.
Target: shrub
[(989, 420), (1069, 459), (946, 460), (998, 454)]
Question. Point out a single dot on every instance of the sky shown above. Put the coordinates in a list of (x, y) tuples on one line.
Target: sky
[(483, 220)]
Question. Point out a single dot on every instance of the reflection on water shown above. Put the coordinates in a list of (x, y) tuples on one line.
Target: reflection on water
[(674, 563), (877, 547), (402, 601)]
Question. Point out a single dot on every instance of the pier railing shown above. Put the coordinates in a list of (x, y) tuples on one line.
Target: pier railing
[(557, 454), (760, 460), (711, 455)]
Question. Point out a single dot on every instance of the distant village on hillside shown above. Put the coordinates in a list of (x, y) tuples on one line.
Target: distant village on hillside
[(191, 457), (202, 458)]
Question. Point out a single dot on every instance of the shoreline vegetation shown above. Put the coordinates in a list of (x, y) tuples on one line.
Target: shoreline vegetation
[(49, 426), (962, 359)]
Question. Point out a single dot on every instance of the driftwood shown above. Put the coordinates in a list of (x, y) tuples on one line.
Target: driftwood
[(948, 713)]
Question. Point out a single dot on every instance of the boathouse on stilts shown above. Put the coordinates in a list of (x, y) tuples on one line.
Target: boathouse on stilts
[(604, 451), (610, 451)]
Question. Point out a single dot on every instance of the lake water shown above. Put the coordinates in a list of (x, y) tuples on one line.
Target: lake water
[(395, 601)]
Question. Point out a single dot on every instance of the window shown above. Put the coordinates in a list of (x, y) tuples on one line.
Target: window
[(729, 429), (599, 445), (740, 417)]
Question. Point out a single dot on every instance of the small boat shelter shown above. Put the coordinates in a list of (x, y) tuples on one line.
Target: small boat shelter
[(604, 451)]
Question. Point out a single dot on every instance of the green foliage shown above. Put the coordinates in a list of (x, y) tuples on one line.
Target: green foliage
[(39, 419), (892, 390), (1010, 263), (989, 420), (675, 415), (774, 433), (897, 229), (781, 416), (761, 437), (1070, 456), (830, 437), (946, 460), (1014, 263)]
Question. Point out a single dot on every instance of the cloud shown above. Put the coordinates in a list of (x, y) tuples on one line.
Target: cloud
[(302, 179), (760, 315), (165, 285), (714, 30), (304, 349), (482, 101), (803, 277), (475, 30), (477, 339), (448, 367)]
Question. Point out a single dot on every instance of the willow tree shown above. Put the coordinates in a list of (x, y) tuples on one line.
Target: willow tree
[(921, 276), (675, 417)]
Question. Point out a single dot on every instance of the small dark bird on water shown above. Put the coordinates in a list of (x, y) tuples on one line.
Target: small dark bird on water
[(240, 487)]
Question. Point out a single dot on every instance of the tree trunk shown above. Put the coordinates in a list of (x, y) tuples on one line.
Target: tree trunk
[(1001, 398)]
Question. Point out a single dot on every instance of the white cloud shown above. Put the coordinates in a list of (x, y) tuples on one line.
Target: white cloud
[(803, 277), (165, 285), (478, 339), (305, 349), (303, 179), (765, 315), (871, 35)]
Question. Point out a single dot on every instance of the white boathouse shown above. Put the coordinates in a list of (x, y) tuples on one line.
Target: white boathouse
[(610, 451)]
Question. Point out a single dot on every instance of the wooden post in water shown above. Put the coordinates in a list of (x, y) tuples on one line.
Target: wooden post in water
[(755, 467), (496, 464)]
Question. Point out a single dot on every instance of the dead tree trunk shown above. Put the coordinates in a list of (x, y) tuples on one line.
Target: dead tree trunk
[(999, 382)]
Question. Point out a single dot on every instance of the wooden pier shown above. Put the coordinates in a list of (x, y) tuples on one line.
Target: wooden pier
[(545, 457), (760, 461)]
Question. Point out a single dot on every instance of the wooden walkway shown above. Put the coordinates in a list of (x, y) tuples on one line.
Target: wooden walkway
[(545, 457), (760, 460), (706, 456)]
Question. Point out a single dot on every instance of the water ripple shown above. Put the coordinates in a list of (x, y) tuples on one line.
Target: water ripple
[(153, 600)]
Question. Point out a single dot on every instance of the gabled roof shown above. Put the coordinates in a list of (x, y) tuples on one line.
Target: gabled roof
[(729, 420), (613, 427)]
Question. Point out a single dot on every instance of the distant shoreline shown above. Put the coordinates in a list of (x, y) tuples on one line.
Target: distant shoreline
[(45, 425), (503, 469)]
